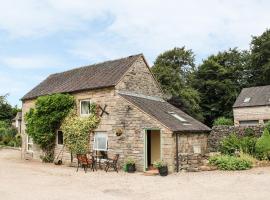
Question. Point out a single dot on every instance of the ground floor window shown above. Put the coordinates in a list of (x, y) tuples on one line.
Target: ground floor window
[(60, 138), (100, 141), (29, 143), (249, 122)]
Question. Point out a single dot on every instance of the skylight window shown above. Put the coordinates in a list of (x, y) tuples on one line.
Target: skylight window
[(177, 117), (247, 99)]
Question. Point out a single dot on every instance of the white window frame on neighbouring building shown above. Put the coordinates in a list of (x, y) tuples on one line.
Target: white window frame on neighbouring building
[(81, 107), (100, 145), (29, 143), (249, 122)]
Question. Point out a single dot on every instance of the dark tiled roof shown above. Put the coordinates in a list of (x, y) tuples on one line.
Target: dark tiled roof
[(160, 110), (259, 96), (95, 76)]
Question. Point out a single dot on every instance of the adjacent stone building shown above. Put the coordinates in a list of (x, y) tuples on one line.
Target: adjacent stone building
[(252, 107), (150, 128)]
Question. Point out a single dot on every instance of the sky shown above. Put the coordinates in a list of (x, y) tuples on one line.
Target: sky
[(38, 38)]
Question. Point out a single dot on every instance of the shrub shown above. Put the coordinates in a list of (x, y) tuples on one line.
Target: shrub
[(249, 132), (263, 145), (233, 143), (267, 126), (223, 121), (159, 163), (45, 119), (230, 144), (225, 162)]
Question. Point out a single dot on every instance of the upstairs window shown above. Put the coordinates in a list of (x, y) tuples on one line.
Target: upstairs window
[(177, 117), (247, 99), (60, 138), (85, 107)]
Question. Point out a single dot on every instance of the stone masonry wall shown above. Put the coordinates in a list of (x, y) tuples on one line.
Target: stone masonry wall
[(139, 79), (220, 132)]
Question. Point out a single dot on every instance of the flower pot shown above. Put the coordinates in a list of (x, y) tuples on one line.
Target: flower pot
[(163, 171), (131, 168)]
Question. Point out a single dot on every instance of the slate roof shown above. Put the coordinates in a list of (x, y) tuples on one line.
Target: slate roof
[(259, 96), (95, 76), (161, 111)]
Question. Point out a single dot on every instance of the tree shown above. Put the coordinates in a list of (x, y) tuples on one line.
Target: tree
[(260, 59), (43, 120), (173, 69), (219, 79), (6, 112)]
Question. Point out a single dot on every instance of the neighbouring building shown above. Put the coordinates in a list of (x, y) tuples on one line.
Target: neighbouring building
[(152, 129), (17, 122), (252, 106)]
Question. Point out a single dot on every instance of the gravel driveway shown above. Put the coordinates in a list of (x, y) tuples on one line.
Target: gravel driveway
[(27, 180)]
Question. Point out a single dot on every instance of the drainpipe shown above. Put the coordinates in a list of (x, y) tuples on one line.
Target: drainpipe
[(177, 156)]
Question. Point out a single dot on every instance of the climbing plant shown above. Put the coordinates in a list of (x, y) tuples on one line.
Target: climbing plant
[(76, 130), (43, 121)]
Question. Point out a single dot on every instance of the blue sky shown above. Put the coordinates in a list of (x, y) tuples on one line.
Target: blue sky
[(38, 38)]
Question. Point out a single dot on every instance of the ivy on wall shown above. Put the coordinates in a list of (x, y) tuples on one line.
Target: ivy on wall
[(76, 130), (43, 121)]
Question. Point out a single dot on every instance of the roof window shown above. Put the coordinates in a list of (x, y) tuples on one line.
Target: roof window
[(177, 117), (247, 99)]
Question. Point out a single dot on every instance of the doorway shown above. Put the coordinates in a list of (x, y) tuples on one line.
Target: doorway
[(152, 148)]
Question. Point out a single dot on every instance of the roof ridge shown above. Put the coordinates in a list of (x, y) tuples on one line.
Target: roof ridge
[(98, 63)]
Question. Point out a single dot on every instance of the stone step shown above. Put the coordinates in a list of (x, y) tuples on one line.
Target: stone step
[(152, 172)]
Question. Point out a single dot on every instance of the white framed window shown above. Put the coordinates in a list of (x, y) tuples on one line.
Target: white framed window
[(60, 137), (100, 141), (249, 122), (85, 107), (247, 99), (29, 144)]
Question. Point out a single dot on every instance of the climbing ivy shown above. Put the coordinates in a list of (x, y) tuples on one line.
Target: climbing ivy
[(76, 130), (43, 121)]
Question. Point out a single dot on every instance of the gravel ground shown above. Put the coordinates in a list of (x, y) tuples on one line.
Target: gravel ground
[(27, 180)]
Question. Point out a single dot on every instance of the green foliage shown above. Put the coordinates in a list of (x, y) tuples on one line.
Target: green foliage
[(173, 69), (263, 145), (128, 161), (260, 62), (159, 163), (231, 144), (223, 121), (267, 126), (8, 135), (6, 111), (226, 162), (43, 121), (219, 79), (76, 131)]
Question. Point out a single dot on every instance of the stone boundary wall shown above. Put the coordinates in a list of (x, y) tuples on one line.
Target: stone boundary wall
[(219, 132), (191, 162)]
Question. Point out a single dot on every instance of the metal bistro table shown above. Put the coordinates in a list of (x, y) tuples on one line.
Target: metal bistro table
[(99, 159)]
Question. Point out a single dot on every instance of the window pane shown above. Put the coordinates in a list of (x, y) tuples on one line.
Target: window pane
[(85, 106), (249, 123), (100, 141), (30, 147), (60, 137), (30, 140)]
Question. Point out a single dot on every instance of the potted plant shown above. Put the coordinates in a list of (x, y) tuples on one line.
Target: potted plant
[(130, 165), (162, 167)]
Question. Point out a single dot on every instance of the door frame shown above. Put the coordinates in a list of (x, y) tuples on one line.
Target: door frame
[(145, 146)]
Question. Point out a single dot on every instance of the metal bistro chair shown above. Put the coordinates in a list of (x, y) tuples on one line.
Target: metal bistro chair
[(84, 162), (112, 163)]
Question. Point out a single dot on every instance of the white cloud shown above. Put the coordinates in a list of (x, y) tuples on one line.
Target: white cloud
[(31, 62)]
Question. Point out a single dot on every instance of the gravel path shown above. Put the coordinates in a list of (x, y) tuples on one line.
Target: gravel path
[(27, 180)]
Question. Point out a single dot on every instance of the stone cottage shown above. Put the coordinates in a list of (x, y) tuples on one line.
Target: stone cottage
[(252, 106), (151, 129)]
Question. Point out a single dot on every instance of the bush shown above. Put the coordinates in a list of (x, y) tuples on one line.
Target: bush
[(233, 143), (263, 146), (225, 162), (222, 121), (159, 163), (267, 126)]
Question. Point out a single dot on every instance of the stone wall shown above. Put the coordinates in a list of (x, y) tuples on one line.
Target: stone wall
[(220, 132), (139, 79), (191, 162)]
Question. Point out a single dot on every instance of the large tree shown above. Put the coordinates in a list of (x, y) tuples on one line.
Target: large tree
[(219, 79), (6, 111), (260, 59), (174, 69)]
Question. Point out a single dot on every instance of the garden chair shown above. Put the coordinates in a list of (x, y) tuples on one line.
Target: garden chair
[(112, 163), (84, 162)]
